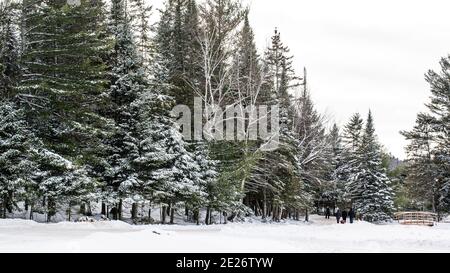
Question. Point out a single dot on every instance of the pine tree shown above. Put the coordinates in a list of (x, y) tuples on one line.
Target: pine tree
[(440, 109), (179, 50), (246, 69), (9, 49), (140, 13), (351, 137), (279, 62), (335, 191), (371, 191), (241, 157), (428, 151), (294, 195), (422, 166), (60, 183), (61, 86), (62, 75), (32, 173), (313, 148), (208, 176), (193, 51), (352, 133), (16, 162), (220, 21), (284, 184)]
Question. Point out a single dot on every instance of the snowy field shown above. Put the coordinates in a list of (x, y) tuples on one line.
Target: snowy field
[(319, 235)]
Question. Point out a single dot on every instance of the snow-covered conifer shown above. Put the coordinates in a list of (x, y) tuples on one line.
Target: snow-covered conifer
[(370, 188)]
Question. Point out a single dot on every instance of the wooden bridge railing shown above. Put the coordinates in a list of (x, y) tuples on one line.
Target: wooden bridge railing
[(416, 218)]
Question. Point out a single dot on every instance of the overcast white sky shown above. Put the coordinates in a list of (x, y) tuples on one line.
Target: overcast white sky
[(361, 54)]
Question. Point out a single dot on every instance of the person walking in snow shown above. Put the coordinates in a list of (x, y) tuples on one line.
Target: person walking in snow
[(351, 215), (327, 213), (338, 215), (344, 216)]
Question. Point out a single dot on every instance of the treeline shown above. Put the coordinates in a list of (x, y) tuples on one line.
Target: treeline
[(85, 117)]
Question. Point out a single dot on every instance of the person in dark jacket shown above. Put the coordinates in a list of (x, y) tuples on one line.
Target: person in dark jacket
[(327, 213), (351, 215), (344, 215), (338, 215)]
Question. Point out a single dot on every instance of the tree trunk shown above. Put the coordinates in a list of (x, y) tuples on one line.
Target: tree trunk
[(3, 211), (163, 215), (264, 205), (207, 218), (51, 209), (31, 212), (134, 210), (172, 215), (69, 212), (258, 208), (307, 216), (197, 216), (433, 203), (119, 210), (83, 209), (104, 209), (88, 209)]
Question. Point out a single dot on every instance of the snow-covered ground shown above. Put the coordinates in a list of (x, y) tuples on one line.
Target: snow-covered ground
[(319, 235)]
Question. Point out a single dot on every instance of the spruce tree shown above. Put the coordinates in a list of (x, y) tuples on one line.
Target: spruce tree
[(335, 190), (127, 82), (16, 163), (351, 138), (353, 132), (33, 174), (370, 187), (166, 170), (60, 183), (208, 177)]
